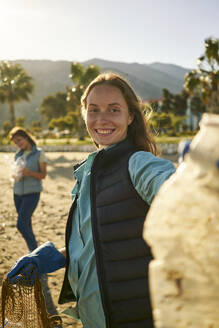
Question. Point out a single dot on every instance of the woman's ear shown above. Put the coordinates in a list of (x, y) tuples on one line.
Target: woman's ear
[(130, 119)]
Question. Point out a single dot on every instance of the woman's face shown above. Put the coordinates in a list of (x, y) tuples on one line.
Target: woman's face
[(107, 116), (22, 142)]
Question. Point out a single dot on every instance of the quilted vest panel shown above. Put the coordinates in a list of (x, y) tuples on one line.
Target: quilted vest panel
[(28, 185)]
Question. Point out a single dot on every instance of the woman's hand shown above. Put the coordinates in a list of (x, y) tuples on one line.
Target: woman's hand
[(45, 259), (25, 172)]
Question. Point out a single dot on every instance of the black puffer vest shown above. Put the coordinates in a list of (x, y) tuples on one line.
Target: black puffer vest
[(122, 257)]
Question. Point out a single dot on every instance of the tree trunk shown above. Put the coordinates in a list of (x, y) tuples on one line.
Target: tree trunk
[(12, 115), (81, 134)]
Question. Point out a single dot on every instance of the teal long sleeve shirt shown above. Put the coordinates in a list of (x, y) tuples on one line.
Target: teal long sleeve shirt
[(147, 173)]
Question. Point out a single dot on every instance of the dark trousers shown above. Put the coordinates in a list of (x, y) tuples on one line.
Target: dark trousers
[(25, 206)]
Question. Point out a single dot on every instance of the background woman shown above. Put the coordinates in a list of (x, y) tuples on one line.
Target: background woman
[(31, 165), (105, 256)]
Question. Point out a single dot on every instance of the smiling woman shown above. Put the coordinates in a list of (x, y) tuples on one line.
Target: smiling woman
[(106, 258)]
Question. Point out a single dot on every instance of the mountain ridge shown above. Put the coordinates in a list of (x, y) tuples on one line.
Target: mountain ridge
[(50, 76)]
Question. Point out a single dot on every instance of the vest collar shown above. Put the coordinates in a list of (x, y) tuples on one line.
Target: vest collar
[(32, 151), (112, 154)]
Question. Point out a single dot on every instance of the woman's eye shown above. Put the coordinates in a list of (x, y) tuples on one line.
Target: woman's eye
[(92, 110), (115, 110)]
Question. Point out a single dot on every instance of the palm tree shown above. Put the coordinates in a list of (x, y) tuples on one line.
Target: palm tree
[(204, 81), (167, 101), (81, 77), (15, 85)]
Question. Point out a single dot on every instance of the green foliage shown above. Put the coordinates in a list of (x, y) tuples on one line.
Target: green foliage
[(81, 77), (36, 127), (166, 123), (204, 81), (167, 99), (197, 105), (15, 85), (175, 104), (54, 106), (20, 121), (52, 139), (77, 70), (64, 122), (63, 108), (177, 124), (192, 82), (173, 139), (6, 127), (36, 124), (89, 75), (180, 103), (154, 105)]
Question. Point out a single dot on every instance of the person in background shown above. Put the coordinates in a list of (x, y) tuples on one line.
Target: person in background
[(105, 256), (30, 163)]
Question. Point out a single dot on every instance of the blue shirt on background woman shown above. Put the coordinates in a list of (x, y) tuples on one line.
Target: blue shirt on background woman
[(105, 256)]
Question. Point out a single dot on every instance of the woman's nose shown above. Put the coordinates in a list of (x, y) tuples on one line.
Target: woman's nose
[(103, 116)]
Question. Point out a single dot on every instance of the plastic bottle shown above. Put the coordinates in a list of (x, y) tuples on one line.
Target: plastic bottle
[(182, 228), (16, 169)]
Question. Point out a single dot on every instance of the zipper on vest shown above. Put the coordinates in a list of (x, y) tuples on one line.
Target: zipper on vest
[(99, 262)]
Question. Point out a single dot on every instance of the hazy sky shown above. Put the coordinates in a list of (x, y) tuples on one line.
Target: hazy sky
[(143, 31)]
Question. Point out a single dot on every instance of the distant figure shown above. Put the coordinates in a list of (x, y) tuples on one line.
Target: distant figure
[(30, 163), (105, 256)]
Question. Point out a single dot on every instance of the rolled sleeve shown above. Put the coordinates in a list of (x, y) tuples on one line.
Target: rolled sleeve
[(148, 173), (42, 158)]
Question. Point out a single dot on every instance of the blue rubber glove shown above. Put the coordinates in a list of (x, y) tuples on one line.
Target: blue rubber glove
[(44, 259)]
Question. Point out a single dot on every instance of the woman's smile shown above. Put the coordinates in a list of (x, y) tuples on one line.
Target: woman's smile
[(104, 131)]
